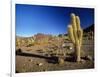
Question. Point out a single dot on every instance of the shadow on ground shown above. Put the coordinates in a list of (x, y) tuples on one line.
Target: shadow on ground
[(51, 59)]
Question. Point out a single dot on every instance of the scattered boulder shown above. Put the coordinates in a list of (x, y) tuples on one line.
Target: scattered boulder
[(30, 60), (70, 48), (40, 64), (82, 61), (89, 58), (63, 45)]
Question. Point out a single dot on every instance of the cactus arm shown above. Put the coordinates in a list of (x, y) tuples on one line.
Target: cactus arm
[(71, 35), (79, 30), (78, 23), (81, 37), (73, 21), (74, 26)]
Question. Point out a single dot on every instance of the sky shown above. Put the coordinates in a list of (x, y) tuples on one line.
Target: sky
[(33, 19)]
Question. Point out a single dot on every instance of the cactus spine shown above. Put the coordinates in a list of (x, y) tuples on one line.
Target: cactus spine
[(75, 33)]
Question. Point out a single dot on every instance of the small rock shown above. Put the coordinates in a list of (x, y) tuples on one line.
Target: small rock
[(30, 60), (70, 48), (63, 45), (24, 64), (82, 61), (89, 58), (40, 64)]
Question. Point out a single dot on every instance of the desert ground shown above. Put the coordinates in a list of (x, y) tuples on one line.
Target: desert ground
[(42, 57)]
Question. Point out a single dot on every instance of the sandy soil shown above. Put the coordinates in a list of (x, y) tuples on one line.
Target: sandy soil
[(30, 60)]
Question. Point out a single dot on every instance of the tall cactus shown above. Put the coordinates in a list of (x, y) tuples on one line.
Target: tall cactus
[(75, 33)]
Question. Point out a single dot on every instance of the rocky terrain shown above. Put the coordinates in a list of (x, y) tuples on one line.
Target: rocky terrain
[(44, 52)]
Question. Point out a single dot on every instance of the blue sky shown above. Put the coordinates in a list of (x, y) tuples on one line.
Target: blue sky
[(33, 19)]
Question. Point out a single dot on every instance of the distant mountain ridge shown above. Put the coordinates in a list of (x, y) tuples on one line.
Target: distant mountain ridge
[(41, 35), (90, 28)]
